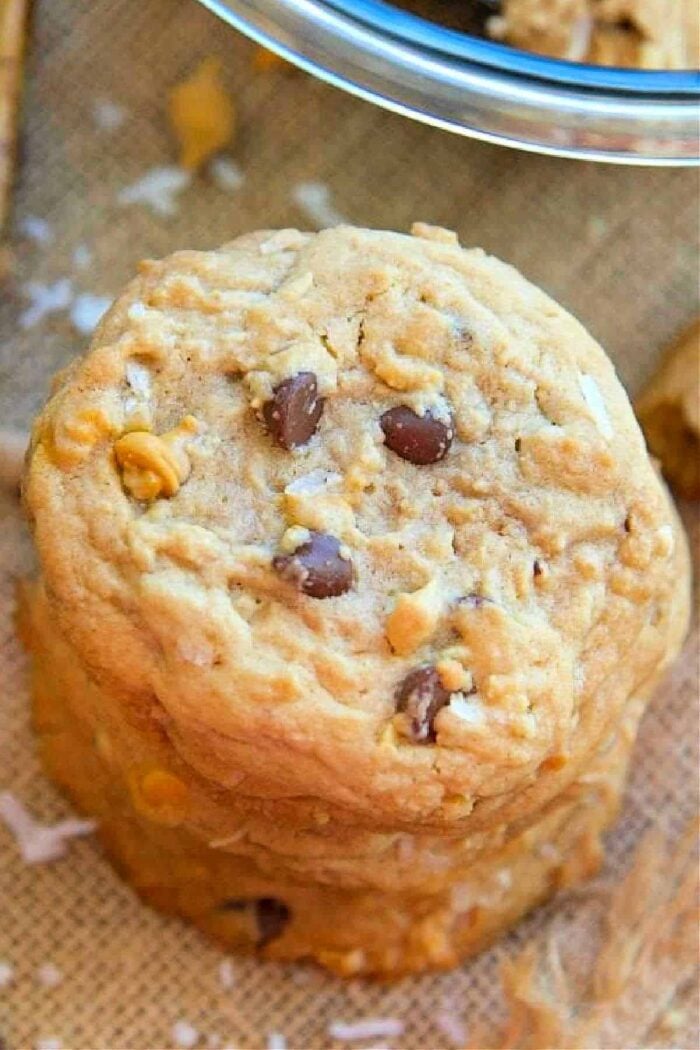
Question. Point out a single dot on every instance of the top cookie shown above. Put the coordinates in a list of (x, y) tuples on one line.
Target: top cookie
[(362, 521)]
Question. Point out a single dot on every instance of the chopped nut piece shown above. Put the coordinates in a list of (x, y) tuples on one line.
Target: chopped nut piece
[(202, 114), (155, 466), (669, 413)]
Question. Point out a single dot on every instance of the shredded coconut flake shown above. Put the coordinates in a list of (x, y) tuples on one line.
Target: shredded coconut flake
[(315, 482), (82, 256), (276, 1041), (227, 974), (452, 1027), (281, 241), (6, 974), (379, 1027), (314, 199), (185, 1035), (157, 190), (594, 400), (580, 39), (39, 843), (48, 975), (468, 709), (36, 229), (108, 115), (87, 310), (139, 378), (45, 299), (226, 174)]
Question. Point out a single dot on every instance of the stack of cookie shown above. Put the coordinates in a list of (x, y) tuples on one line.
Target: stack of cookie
[(355, 576)]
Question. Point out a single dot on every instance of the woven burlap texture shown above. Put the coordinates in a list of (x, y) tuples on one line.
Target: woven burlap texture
[(616, 246)]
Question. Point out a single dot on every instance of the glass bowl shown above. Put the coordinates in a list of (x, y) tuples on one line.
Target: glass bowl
[(479, 88)]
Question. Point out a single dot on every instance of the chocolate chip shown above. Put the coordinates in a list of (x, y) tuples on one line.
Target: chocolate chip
[(271, 915), (419, 439), (421, 695), (317, 567), (293, 413), (537, 569)]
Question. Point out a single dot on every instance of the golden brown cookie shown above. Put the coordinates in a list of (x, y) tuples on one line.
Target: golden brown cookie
[(352, 541)]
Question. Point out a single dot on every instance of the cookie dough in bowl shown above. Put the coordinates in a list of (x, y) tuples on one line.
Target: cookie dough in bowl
[(355, 575)]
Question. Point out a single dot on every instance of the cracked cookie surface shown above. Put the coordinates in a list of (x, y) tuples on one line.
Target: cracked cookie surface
[(405, 560)]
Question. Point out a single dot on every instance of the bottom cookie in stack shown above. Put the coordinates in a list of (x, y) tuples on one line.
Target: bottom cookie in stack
[(358, 904)]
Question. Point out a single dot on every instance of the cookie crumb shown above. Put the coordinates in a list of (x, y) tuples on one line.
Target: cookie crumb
[(276, 1041), (6, 974)]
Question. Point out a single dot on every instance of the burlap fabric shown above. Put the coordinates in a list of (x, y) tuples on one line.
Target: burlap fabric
[(616, 246)]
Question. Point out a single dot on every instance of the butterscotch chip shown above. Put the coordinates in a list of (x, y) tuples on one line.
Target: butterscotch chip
[(202, 114), (155, 466), (668, 410)]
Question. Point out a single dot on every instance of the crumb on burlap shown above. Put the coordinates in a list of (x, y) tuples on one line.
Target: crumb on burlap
[(202, 115)]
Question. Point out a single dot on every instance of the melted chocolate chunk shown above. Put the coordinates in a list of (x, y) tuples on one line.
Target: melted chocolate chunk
[(271, 916), (421, 695), (293, 413), (316, 567), (419, 439)]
